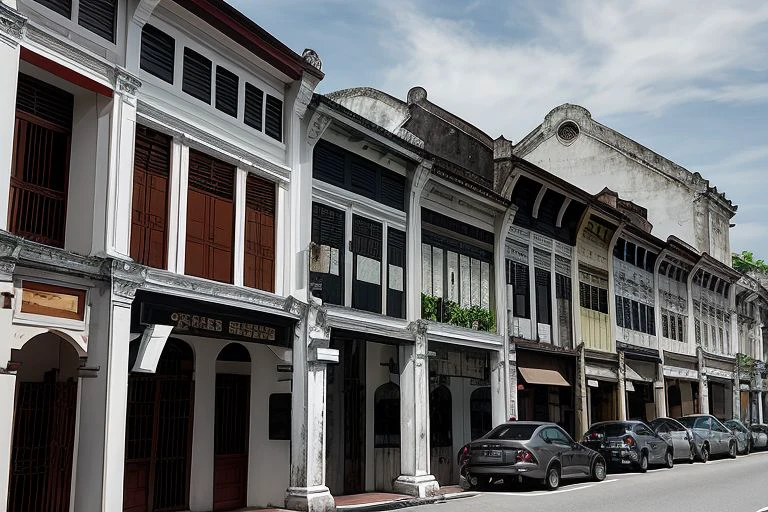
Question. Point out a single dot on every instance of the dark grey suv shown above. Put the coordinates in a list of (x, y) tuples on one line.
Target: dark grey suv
[(629, 444)]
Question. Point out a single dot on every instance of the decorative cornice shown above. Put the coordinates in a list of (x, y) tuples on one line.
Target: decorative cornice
[(295, 307), (12, 22), (144, 10), (183, 128), (25, 253), (419, 328), (125, 82), (306, 90), (127, 277), (60, 47), (318, 123)]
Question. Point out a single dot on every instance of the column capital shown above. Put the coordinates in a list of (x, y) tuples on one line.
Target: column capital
[(12, 23), (307, 85), (419, 328), (126, 83), (126, 277), (10, 250), (318, 123)]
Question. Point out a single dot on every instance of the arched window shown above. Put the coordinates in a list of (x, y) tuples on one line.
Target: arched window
[(480, 412), (386, 416), (440, 417)]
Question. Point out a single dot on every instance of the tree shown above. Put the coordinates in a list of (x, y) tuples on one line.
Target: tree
[(746, 262)]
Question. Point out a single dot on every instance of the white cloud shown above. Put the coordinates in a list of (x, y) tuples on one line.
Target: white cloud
[(629, 57)]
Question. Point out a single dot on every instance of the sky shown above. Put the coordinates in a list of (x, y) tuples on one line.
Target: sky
[(686, 78)]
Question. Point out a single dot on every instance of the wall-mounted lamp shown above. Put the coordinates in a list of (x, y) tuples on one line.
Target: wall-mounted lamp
[(11, 368)]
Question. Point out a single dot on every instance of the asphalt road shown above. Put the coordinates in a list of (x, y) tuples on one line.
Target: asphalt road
[(721, 485)]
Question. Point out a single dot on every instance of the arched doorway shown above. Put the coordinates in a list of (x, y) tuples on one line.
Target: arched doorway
[(231, 427), (158, 434), (441, 434), (480, 419), (45, 414), (386, 435)]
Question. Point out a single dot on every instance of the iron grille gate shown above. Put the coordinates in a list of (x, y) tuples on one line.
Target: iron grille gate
[(230, 471), (158, 442), (43, 441)]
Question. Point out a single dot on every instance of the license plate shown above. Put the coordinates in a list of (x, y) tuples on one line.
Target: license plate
[(493, 453), (615, 453), (625, 461)]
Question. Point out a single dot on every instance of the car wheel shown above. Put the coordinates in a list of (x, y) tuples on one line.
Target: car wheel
[(553, 477), (598, 469), (692, 455), (478, 482), (669, 460), (643, 464), (749, 449), (732, 450), (704, 457)]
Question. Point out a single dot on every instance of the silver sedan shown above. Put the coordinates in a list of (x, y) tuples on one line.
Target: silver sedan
[(710, 436), (759, 436), (531, 450), (675, 433), (742, 435)]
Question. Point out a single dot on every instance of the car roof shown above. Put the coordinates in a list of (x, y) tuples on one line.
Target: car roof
[(616, 422), (531, 423)]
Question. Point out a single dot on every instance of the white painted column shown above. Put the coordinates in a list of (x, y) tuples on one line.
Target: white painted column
[(103, 402), (703, 384), (11, 25), (120, 179), (201, 477), (415, 478), (417, 182), (759, 408), (311, 355), (660, 390), (241, 178), (7, 383), (503, 395), (622, 387)]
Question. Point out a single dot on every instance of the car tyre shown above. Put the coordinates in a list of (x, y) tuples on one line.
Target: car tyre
[(598, 469), (552, 481), (477, 483), (692, 455), (732, 450), (669, 460), (704, 457), (642, 466)]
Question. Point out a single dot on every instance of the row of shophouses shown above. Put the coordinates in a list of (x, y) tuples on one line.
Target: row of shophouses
[(220, 289)]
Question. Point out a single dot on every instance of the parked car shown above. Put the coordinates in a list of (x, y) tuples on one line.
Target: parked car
[(742, 434), (710, 436), (531, 450), (680, 437), (759, 436), (629, 443)]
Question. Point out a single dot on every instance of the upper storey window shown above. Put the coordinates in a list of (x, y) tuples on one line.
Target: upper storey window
[(262, 112), (635, 255), (97, 16)]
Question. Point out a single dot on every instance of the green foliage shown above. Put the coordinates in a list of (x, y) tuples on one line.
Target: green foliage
[(746, 262), (450, 312), (745, 363)]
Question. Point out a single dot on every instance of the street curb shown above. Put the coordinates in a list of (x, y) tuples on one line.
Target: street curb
[(405, 503)]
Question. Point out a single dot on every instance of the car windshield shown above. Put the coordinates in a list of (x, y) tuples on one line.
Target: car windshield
[(609, 430), (687, 421), (656, 423), (513, 432)]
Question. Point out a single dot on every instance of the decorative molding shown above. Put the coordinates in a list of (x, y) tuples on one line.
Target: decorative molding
[(419, 329), (295, 307), (318, 123), (18, 251), (144, 11), (127, 277), (311, 57), (12, 22), (304, 96), (56, 45), (125, 82), (190, 132)]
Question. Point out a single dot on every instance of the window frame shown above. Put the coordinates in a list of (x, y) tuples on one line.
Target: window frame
[(72, 22)]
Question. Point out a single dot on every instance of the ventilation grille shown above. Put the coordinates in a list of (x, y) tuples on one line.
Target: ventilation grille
[(254, 99), (63, 7), (45, 101), (211, 176), (273, 122), (157, 53), (99, 17), (197, 76), (227, 85)]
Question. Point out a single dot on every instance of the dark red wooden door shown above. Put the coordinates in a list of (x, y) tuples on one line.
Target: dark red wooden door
[(43, 443), (149, 226), (260, 234), (210, 218), (232, 423)]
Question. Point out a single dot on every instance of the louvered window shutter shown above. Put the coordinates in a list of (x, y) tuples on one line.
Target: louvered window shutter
[(210, 218), (543, 296), (273, 120), (227, 88), (260, 233), (157, 53), (151, 168), (327, 258), (366, 268), (99, 16), (393, 190), (254, 99), (197, 76), (328, 164), (364, 179), (63, 7), (396, 273)]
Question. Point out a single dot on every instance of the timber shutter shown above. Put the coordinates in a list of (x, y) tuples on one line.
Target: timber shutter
[(149, 219), (349, 171), (63, 7), (254, 99), (227, 88), (517, 276), (197, 76), (327, 258), (259, 233), (366, 267), (543, 296), (563, 296), (273, 119), (210, 218), (98, 16), (157, 53), (40, 166), (396, 273)]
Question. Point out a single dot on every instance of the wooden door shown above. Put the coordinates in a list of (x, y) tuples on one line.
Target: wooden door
[(232, 423), (441, 435), (43, 446), (260, 234), (149, 209), (210, 218), (354, 417)]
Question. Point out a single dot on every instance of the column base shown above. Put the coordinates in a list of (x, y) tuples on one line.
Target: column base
[(310, 499), (420, 486)]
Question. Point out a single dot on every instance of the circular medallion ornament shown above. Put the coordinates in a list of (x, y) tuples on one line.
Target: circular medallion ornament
[(567, 132)]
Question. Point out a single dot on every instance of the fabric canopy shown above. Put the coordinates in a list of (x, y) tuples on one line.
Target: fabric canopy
[(638, 372), (601, 372), (543, 377)]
